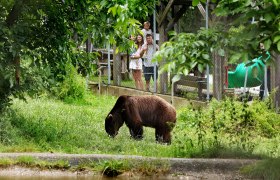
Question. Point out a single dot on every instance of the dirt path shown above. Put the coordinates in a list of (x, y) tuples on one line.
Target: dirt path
[(181, 168)]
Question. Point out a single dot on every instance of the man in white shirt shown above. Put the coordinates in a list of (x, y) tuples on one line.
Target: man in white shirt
[(148, 66)]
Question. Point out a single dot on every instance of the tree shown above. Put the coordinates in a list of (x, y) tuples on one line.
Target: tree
[(183, 52), (249, 23), (260, 23), (38, 37)]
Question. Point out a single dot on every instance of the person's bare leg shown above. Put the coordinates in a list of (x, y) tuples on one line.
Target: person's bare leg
[(139, 80), (147, 85), (141, 85), (134, 73)]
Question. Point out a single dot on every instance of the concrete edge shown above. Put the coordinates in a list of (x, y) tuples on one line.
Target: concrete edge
[(177, 165), (178, 102)]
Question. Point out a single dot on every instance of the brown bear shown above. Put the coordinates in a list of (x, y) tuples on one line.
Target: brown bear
[(139, 111)]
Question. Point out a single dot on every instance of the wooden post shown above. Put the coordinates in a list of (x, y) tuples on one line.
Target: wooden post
[(218, 78)]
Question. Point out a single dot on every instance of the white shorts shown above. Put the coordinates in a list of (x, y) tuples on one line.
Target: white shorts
[(135, 64)]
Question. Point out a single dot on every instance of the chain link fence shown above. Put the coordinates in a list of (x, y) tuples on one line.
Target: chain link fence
[(116, 72)]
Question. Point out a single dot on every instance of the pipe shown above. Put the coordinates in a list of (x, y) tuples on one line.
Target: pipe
[(99, 79), (154, 43), (245, 82), (207, 68)]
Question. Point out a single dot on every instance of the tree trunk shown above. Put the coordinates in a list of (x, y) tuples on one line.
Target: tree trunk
[(11, 19), (218, 76), (163, 76), (162, 39), (275, 83), (17, 69), (117, 66), (15, 12)]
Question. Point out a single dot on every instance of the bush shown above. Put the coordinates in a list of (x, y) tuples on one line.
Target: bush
[(7, 131), (227, 123), (73, 85)]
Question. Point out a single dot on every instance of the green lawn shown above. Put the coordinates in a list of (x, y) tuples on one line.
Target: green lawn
[(78, 127)]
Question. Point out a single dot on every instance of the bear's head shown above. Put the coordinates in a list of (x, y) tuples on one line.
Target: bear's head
[(113, 122), (115, 119)]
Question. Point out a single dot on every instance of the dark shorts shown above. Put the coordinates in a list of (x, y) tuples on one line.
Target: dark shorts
[(149, 72)]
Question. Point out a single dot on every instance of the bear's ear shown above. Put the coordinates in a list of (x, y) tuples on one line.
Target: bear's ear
[(109, 118)]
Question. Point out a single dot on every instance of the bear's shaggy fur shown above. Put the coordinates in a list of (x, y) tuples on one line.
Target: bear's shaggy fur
[(139, 111)]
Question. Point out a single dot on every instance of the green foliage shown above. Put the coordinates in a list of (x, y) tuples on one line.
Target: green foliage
[(183, 52), (260, 21), (191, 20), (186, 51), (73, 85), (7, 132), (229, 124), (46, 35)]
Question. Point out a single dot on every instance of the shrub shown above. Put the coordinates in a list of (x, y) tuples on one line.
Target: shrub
[(73, 85), (227, 123), (7, 132)]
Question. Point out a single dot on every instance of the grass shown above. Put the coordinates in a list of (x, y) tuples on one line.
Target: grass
[(73, 127), (28, 161), (77, 126), (267, 169)]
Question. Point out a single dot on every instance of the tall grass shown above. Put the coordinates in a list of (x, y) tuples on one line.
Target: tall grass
[(77, 126)]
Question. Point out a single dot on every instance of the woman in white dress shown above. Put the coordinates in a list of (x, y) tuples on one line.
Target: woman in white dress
[(135, 63)]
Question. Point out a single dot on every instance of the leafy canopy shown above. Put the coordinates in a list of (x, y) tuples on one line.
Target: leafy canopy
[(260, 23), (44, 35)]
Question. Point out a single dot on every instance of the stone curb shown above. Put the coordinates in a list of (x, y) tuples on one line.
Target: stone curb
[(177, 165)]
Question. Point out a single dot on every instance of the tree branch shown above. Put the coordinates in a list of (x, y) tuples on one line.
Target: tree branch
[(176, 18), (164, 14)]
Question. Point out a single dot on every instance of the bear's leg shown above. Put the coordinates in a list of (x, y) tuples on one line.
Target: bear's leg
[(136, 132), (163, 136), (134, 122)]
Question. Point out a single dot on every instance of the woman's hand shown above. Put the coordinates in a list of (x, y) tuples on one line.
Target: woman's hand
[(145, 47)]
